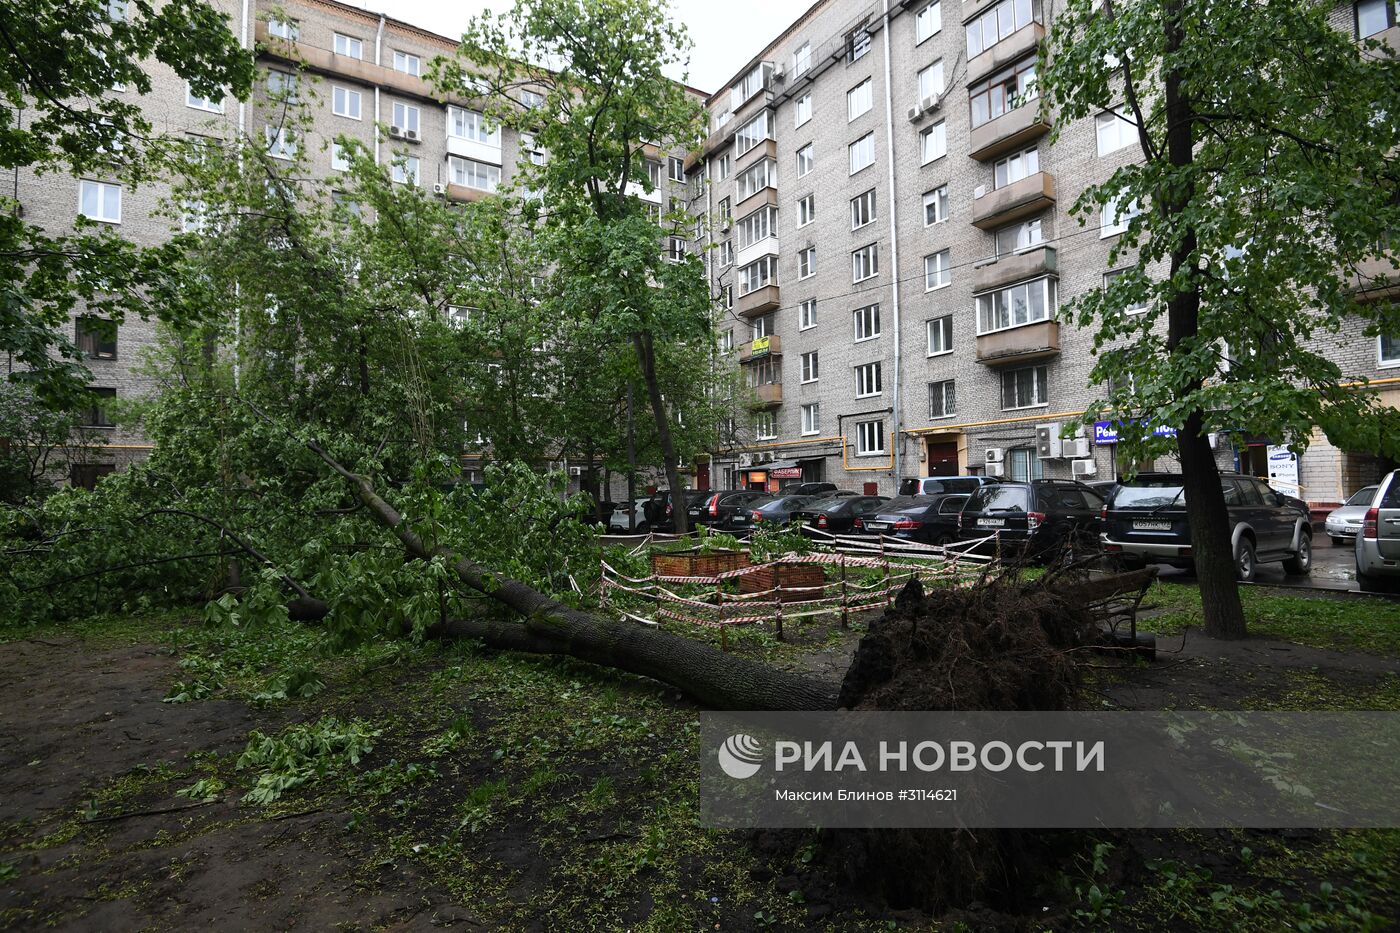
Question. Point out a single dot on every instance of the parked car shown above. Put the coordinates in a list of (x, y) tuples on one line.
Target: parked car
[(717, 508), (1344, 522), (617, 522), (1145, 522), (926, 519), (936, 485), (1037, 518), (1378, 543), (837, 514), (658, 507), (775, 511), (1104, 487), (807, 489)]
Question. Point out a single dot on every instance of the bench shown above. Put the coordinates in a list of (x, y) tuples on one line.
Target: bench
[(1115, 600)]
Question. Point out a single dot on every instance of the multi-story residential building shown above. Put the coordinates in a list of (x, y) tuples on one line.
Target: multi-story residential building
[(894, 241)]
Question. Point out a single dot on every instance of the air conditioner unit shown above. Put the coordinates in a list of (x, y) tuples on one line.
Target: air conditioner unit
[(995, 455), (1082, 468), (931, 103), (979, 192), (396, 131), (915, 113), (1075, 448), (996, 469), (575, 471), (1047, 441), (410, 134), (724, 226), (439, 188), (778, 73)]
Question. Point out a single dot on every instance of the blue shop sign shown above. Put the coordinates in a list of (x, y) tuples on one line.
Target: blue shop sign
[(1106, 432)]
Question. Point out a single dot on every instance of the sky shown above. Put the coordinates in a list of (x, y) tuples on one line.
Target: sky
[(722, 46)]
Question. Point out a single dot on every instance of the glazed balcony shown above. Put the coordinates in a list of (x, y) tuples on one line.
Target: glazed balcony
[(769, 395), (768, 149), (1376, 280), (1015, 201), (759, 301), (1022, 344), (1014, 267), (1012, 130), (1015, 46)]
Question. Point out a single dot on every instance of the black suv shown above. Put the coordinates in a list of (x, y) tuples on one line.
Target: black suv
[(719, 506), (1038, 517), (1145, 522)]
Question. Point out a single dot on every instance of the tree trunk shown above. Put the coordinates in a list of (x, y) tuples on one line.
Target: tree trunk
[(1211, 547), (646, 354)]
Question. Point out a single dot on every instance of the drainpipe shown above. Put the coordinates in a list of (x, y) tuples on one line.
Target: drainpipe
[(378, 60), (894, 256)]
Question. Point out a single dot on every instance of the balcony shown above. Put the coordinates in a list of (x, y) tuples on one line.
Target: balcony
[(1015, 267), (1015, 46), (769, 395), (466, 193), (763, 197), (768, 246), (766, 149), (1030, 195), (1019, 344), (1390, 37), (1011, 130), (1376, 280), (761, 348), (759, 301)]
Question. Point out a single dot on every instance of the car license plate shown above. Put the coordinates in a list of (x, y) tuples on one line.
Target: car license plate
[(1152, 526), (877, 526), (991, 523)]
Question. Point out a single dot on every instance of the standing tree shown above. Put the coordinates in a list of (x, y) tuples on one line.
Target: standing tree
[(584, 79), (1266, 181)]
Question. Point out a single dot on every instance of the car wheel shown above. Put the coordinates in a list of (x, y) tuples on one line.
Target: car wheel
[(1245, 563), (945, 539), (1368, 583), (1300, 563)]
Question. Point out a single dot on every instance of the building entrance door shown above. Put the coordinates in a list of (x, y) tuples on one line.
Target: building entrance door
[(942, 459)]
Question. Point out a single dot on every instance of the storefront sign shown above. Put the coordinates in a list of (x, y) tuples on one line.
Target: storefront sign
[(1106, 432), (787, 473), (1283, 472)]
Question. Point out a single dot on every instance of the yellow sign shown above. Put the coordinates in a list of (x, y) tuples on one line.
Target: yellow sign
[(759, 347)]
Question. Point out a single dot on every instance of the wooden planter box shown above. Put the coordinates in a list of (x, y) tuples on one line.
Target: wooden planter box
[(696, 564), (786, 575)]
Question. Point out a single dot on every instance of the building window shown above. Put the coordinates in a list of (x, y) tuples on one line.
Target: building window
[(857, 44), (287, 29), (407, 118), (100, 200), (1136, 307), (340, 159), (722, 167), (1002, 92), (194, 218), (860, 99), (1114, 131), (1013, 168), (755, 227), (804, 160), (405, 170), (725, 215), (675, 248), (754, 179), (282, 87), (726, 341), (96, 337), (1017, 237), (751, 134), (726, 295), (931, 81), (807, 314), (675, 169), (472, 174), (807, 263), (765, 426), (938, 270), (1024, 464), (207, 104), (807, 210), (1389, 350), (1023, 388), (998, 23), (281, 142), (408, 63), (345, 102), (936, 206), (95, 414), (726, 254), (811, 418), (810, 369), (1373, 16), (863, 209), (940, 335), (866, 322), (468, 124), (346, 45), (758, 275), (862, 153), (344, 207), (865, 263), (761, 327), (804, 108), (942, 399), (870, 438), (802, 59), (868, 380), (86, 475), (1015, 305), (1114, 220), (933, 142), (928, 22)]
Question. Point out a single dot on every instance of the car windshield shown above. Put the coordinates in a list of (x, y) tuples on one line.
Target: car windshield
[(906, 502), (1150, 494), (998, 499), (1363, 497)]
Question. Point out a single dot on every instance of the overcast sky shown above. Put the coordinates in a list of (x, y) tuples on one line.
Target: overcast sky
[(722, 45)]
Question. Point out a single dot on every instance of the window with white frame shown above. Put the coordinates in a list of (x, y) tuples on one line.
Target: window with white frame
[(1024, 388), (1388, 350), (942, 399), (807, 314), (406, 170), (870, 438), (757, 275), (1374, 16), (340, 158), (860, 99), (933, 142), (757, 226), (940, 335), (757, 79), (408, 63), (345, 102), (931, 80), (811, 370), (1015, 305), (765, 426), (675, 248), (806, 210), (722, 167), (344, 205), (804, 108), (468, 124), (999, 23), (100, 200), (807, 262), (288, 29), (725, 254), (862, 153), (936, 206), (866, 322), (1002, 92), (863, 209), (1023, 235), (726, 297), (802, 60), (761, 326), (675, 169), (928, 21), (349, 45), (1114, 220), (281, 142), (938, 270), (1135, 306), (805, 160), (473, 174), (811, 418), (207, 104), (282, 87), (752, 133), (653, 170), (726, 340), (407, 118), (533, 153), (865, 263), (857, 44), (868, 381), (1114, 131), (195, 216), (1015, 167), (752, 180)]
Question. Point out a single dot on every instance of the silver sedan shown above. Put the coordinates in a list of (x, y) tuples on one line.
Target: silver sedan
[(1344, 522)]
